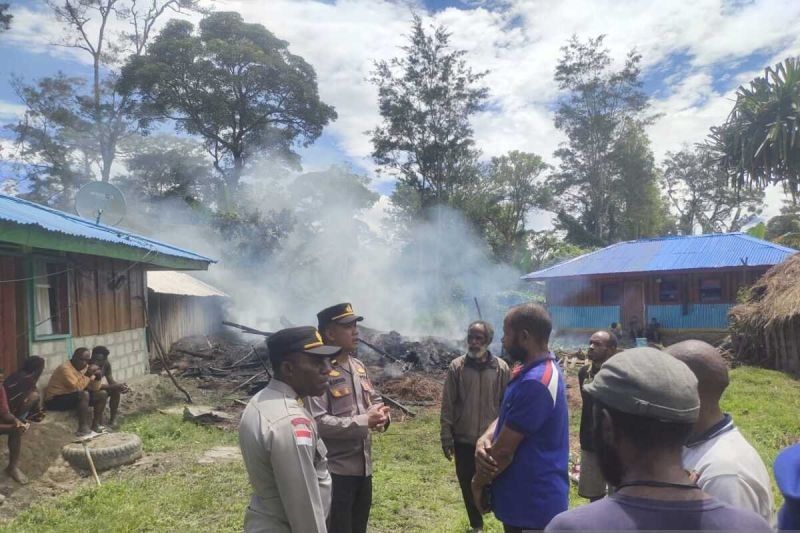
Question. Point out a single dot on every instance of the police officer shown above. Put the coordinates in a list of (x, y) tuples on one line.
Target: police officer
[(283, 453), (346, 413)]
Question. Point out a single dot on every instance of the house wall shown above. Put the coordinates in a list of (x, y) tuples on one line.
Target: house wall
[(129, 356), (578, 303), (174, 316), (103, 304)]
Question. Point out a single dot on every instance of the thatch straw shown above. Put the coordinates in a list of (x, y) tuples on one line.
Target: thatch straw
[(773, 298)]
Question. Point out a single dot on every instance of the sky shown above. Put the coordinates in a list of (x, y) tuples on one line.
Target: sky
[(695, 53)]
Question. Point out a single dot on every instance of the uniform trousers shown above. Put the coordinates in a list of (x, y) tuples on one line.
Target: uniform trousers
[(350, 504)]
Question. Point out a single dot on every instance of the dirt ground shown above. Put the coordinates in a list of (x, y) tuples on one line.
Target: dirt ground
[(41, 459)]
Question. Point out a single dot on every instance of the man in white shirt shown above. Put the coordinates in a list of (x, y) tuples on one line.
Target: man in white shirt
[(725, 464)]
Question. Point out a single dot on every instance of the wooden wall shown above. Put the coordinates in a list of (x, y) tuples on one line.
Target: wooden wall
[(174, 316), (8, 313), (109, 296), (587, 291)]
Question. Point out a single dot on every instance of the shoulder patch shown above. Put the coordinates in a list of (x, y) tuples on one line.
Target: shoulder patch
[(301, 427)]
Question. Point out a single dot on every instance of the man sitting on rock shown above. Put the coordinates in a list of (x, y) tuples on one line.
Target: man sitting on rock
[(20, 388), (114, 388), (13, 427), (76, 385)]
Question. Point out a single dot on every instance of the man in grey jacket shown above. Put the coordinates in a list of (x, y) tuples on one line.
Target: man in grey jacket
[(471, 400)]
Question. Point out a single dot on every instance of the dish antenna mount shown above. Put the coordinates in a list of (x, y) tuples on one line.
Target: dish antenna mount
[(98, 199)]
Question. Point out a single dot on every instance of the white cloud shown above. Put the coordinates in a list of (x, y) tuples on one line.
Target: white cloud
[(519, 42), (10, 111)]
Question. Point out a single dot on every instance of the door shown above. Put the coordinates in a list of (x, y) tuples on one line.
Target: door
[(633, 305), (8, 314)]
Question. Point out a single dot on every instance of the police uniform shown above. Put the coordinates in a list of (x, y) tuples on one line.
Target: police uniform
[(284, 454), (341, 414)]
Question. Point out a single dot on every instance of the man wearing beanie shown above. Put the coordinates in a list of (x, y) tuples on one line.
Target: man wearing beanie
[(646, 403)]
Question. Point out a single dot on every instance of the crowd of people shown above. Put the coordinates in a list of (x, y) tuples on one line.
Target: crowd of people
[(657, 451), (84, 384)]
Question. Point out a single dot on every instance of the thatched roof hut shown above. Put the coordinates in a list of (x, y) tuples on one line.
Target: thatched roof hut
[(766, 326)]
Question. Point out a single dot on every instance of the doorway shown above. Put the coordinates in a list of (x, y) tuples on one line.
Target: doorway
[(633, 304)]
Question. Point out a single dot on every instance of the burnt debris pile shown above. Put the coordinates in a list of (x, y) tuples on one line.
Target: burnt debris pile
[(402, 368), (219, 362), (427, 353)]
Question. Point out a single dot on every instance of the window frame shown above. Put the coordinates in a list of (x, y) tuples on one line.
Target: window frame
[(677, 283), (706, 299), (31, 268), (618, 299)]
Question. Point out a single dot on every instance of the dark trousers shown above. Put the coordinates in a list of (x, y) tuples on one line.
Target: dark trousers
[(350, 504), (514, 529), (465, 470)]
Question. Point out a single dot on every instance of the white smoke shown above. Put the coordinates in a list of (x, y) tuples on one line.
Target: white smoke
[(425, 286)]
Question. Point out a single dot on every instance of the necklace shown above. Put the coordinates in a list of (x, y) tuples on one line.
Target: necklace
[(658, 484)]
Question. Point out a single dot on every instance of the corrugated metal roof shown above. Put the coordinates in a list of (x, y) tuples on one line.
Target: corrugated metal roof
[(671, 253), (172, 282), (23, 212)]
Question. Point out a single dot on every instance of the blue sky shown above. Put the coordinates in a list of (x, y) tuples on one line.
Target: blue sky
[(695, 54)]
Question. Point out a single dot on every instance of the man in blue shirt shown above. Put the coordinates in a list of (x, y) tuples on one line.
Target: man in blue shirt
[(522, 457)]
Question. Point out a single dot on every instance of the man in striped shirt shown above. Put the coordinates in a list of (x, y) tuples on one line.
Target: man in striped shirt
[(522, 457)]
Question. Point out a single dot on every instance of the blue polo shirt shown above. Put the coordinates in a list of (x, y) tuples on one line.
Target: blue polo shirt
[(535, 486)]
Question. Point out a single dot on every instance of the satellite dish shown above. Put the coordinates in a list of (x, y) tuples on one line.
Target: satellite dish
[(99, 199)]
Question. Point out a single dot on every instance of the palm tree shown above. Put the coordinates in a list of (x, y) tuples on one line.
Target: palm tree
[(759, 143)]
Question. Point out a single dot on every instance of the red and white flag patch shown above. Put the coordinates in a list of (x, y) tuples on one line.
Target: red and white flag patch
[(302, 431)]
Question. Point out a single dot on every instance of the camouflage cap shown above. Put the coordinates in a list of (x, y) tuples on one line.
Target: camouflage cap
[(648, 383)]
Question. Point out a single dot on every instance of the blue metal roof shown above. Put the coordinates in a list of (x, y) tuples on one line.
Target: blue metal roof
[(718, 250), (19, 211)]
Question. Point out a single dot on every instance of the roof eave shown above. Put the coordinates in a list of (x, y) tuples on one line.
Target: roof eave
[(36, 237)]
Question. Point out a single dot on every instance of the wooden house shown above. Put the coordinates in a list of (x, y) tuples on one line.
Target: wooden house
[(686, 283), (66, 282), (180, 305)]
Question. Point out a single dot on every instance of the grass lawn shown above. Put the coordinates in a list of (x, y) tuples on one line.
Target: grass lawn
[(415, 487)]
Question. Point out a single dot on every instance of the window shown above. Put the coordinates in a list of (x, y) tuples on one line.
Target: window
[(668, 291), (610, 294), (50, 299), (710, 290)]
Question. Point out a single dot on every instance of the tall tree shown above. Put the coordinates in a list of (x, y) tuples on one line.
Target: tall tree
[(637, 209), (598, 107), (164, 167), (235, 85), (55, 144), (701, 194), (94, 112), (5, 17), (513, 190), (426, 99), (759, 143)]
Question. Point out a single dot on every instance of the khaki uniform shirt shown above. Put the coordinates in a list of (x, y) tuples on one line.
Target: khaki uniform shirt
[(341, 414), (471, 398), (285, 461)]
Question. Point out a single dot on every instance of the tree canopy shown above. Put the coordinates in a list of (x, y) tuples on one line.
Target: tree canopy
[(759, 143), (426, 99), (235, 85)]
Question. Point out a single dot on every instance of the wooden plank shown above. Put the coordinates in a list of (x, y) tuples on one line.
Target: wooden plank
[(8, 326), (86, 294), (122, 296), (105, 296), (138, 296)]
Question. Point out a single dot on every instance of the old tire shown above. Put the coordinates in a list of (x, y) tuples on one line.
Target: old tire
[(107, 451)]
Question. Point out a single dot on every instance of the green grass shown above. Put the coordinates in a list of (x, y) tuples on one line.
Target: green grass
[(169, 433), (765, 406), (415, 487)]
